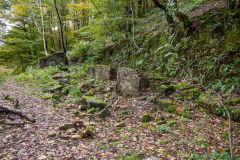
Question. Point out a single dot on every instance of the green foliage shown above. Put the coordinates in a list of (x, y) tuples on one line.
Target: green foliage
[(39, 78), (146, 117), (162, 128), (171, 123), (171, 108), (3, 76), (75, 92), (78, 53), (212, 156)]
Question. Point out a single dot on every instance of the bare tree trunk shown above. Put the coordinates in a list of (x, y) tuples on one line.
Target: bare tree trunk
[(134, 41), (43, 29), (40, 31), (61, 27)]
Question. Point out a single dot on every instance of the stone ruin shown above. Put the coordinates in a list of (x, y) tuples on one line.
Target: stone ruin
[(101, 72), (129, 82), (53, 60)]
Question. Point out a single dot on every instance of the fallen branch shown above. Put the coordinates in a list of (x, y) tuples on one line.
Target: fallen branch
[(8, 122), (14, 100), (229, 121), (4, 109)]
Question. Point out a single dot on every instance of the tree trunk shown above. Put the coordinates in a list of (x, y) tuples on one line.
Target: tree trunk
[(43, 29), (169, 17), (61, 27)]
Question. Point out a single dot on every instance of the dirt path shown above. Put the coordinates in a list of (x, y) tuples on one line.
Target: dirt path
[(31, 141)]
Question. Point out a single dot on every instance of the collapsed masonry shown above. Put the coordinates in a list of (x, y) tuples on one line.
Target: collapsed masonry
[(130, 83)]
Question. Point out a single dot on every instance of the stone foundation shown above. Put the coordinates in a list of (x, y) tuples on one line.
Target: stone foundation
[(53, 60), (101, 72), (130, 82)]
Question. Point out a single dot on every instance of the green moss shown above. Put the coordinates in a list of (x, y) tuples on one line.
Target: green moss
[(232, 40), (94, 102), (89, 128), (91, 111), (186, 108), (171, 123), (75, 112), (163, 103), (147, 118), (145, 124), (226, 95)]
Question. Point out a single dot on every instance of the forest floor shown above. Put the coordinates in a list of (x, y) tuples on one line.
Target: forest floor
[(200, 133)]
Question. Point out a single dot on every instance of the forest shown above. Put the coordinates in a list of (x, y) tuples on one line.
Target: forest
[(120, 79)]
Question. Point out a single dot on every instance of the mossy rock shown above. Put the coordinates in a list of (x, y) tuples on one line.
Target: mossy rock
[(163, 103), (232, 101), (91, 111), (94, 102), (191, 94), (147, 118), (171, 123)]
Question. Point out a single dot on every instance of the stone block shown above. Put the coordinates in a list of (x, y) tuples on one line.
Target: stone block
[(102, 72), (53, 60), (130, 82)]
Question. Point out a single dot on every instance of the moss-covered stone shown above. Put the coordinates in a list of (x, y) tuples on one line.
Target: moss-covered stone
[(171, 123), (147, 118), (163, 103), (190, 94), (91, 111), (94, 102)]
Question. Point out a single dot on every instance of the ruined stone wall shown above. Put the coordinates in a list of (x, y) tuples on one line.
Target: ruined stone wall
[(53, 60)]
